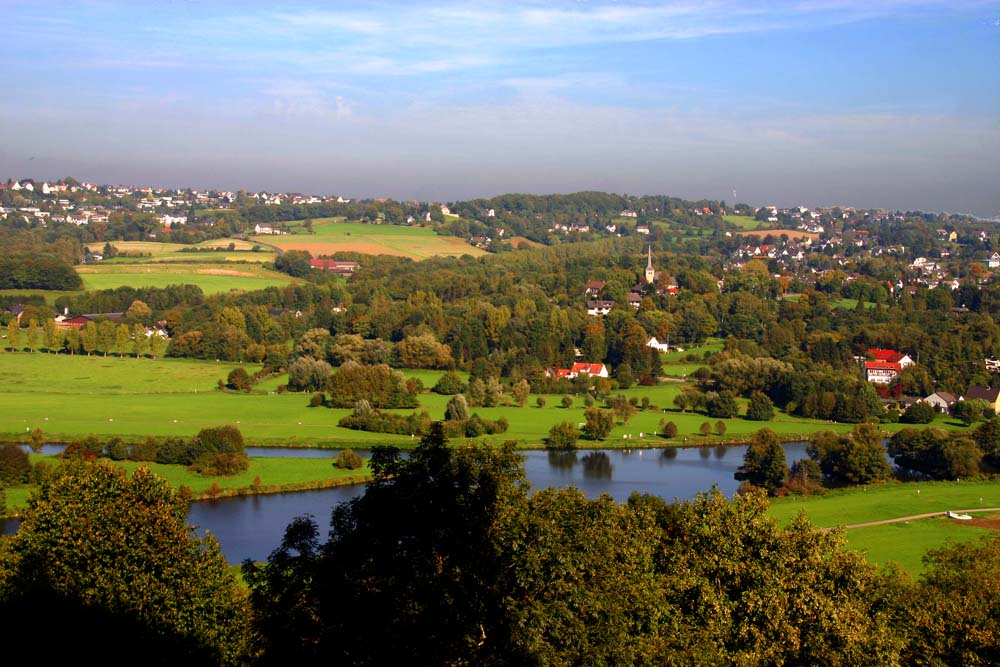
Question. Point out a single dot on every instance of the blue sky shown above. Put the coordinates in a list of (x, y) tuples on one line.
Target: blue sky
[(891, 103)]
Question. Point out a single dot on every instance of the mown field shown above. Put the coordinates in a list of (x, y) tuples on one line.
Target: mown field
[(332, 236), (211, 278), (905, 542), (744, 222), (70, 397)]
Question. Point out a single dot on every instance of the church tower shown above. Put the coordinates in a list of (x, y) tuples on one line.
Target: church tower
[(650, 271)]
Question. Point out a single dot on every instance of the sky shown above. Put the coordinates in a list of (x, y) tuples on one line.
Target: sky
[(867, 103)]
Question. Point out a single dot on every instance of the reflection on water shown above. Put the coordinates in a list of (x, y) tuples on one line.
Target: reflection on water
[(562, 460), (597, 465), (253, 526)]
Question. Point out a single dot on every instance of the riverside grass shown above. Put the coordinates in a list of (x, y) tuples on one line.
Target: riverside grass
[(69, 397), (904, 543), (275, 475)]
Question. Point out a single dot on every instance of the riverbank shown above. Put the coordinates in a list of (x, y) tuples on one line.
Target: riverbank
[(264, 476)]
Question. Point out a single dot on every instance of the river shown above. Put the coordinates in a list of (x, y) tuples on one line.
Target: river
[(252, 526)]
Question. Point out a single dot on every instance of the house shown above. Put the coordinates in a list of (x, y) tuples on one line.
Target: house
[(599, 307), (657, 345), (77, 322), (445, 210), (628, 213), (642, 229), (263, 229), (891, 356), (333, 266), (490, 213), (941, 401), (593, 370), (594, 287), (881, 372), (634, 299), (994, 260), (989, 394)]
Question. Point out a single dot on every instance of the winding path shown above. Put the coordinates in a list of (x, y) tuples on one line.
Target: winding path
[(920, 516)]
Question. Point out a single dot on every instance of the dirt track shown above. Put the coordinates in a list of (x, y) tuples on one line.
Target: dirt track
[(984, 523)]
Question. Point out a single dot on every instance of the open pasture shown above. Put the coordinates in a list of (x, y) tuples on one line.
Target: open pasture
[(333, 237), (213, 279), (744, 222), (211, 251)]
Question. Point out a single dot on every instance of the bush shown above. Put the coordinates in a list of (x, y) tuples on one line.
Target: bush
[(668, 429), (761, 408), (449, 384), (567, 401), (116, 450), (562, 436), (317, 400), (220, 464), (918, 413), (239, 380), (348, 460), (222, 439), (15, 468)]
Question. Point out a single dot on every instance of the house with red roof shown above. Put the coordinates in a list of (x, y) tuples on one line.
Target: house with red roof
[(333, 266), (887, 364)]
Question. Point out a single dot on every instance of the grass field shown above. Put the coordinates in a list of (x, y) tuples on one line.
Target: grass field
[(904, 543), (212, 279), (331, 237), (70, 397), (742, 221)]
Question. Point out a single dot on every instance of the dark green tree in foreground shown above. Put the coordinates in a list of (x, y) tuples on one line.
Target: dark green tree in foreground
[(409, 573), (107, 562)]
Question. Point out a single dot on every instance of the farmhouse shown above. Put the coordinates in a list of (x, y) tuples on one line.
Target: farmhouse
[(594, 287), (334, 266), (657, 345), (579, 368)]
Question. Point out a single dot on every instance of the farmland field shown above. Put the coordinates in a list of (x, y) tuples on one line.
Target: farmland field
[(413, 242), (212, 279), (742, 221), (206, 251)]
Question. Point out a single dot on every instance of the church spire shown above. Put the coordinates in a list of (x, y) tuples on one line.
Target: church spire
[(650, 271)]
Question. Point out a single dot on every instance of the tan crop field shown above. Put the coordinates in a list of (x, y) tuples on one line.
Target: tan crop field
[(332, 237)]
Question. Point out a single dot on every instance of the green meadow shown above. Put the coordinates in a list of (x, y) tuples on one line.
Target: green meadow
[(72, 396), (905, 542), (211, 278), (744, 222)]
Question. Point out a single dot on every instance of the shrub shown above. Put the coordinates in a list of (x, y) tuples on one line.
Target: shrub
[(317, 400), (220, 464), (449, 384), (239, 380), (540, 401), (918, 413), (567, 401), (562, 436), (116, 450), (348, 460), (761, 408), (15, 468), (668, 429)]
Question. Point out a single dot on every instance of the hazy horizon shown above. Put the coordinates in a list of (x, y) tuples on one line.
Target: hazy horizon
[(817, 102)]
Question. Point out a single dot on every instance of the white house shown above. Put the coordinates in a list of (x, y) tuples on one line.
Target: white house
[(263, 229), (599, 307), (657, 345)]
